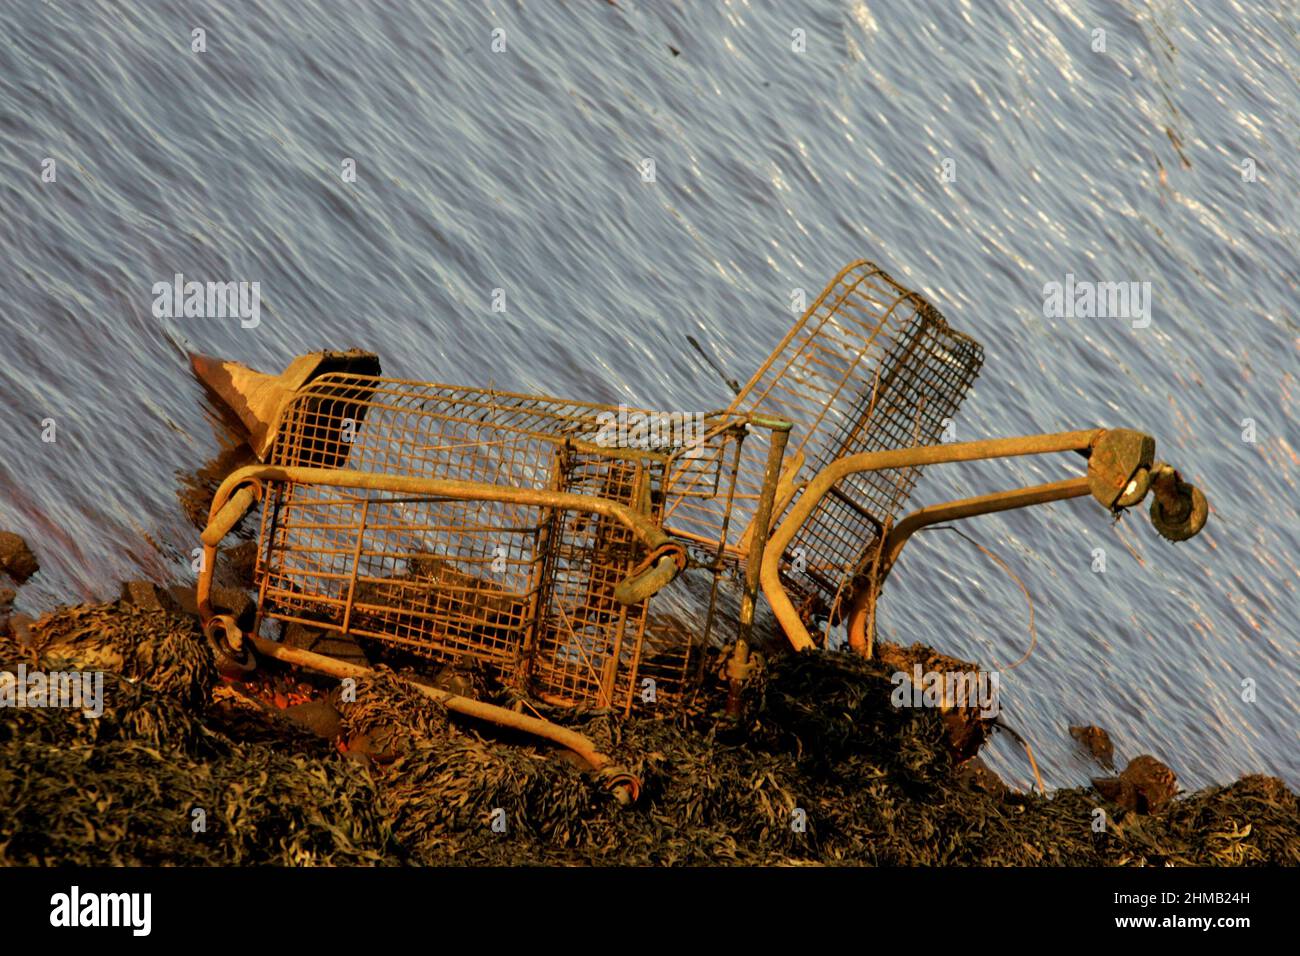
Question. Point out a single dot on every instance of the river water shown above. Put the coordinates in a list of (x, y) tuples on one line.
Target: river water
[(978, 151)]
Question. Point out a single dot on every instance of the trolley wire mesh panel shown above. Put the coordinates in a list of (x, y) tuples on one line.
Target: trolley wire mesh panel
[(524, 587), (587, 640), (870, 366)]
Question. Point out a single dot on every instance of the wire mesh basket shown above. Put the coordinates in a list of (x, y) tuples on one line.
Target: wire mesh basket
[(870, 366), (525, 586)]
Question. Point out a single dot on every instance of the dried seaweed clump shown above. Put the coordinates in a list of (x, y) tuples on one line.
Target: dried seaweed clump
[(151, 781)]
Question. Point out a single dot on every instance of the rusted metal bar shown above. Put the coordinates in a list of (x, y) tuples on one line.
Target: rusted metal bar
[(668, 556), (231, 513), (226, 512), (622, 783), (780, 434), (820, 486), (952, 511), (719, 557), (738, 666), (982, 505), (649, 534)]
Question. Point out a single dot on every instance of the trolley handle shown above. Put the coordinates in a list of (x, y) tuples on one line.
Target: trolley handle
[(244, 487), (1121, 470)]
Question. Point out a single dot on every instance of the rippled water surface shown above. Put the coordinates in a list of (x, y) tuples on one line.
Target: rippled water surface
[(518, 170)]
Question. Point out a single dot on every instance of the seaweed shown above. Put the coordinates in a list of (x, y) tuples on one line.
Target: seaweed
[(820, 769)]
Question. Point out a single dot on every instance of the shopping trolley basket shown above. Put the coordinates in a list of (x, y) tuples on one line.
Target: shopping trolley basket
[(870, 378), (521, 531), (869, 366)]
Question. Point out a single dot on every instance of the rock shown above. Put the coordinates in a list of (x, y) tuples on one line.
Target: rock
[(240, 563), (233, 601), (1145, 786), (1112, 789), (318, 716), (16, 558), (377, 746), (974, 775), (967, 726), (143, 594), (185, 599), (7, 598), (1097, 742), (1270, 788), (330, 643), (454, 681), (181, 599), (568, 756), (20, 627)]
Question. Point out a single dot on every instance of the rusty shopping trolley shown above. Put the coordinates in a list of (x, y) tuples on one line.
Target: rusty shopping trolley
[(454, 522)]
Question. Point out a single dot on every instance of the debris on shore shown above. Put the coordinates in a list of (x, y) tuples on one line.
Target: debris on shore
[(1145, 786), (1097, 742), (185, 768), (16, 558)]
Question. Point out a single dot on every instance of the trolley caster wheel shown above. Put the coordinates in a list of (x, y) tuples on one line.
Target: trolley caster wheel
[(623, 784), (1119, 467), (1137, 489), (232, 661), (1194, 514)]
